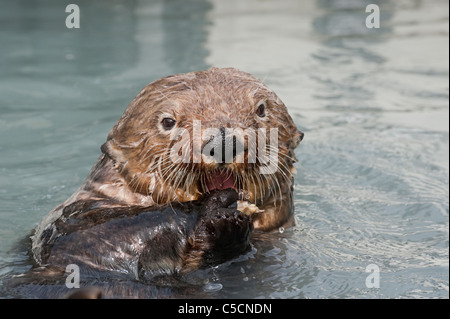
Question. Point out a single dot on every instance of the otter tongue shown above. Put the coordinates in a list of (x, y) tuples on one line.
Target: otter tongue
[(220, 180)]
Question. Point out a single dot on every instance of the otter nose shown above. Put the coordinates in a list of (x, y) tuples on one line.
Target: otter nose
[(223, 147)]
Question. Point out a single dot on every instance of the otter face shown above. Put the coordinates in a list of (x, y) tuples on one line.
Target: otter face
[(189, 134)]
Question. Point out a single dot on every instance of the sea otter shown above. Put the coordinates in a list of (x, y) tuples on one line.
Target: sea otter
[(188, 171)]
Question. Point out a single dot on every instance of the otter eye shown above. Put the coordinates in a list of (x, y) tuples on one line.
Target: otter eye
[(168, 123), (261, 110)]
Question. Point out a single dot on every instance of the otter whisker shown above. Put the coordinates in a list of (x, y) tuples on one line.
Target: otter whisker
[(149, 154), (166, 166), (283, 167), (185, 180), (202, 183), (140, 183), (178, 178), (274, 179), (254, 186), (262, 189), (191, 180)]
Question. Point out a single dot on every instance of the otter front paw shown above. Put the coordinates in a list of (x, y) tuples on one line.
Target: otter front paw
[(224, 235), (221, 233)]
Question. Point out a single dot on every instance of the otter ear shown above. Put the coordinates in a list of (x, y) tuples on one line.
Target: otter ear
[(296, 138)]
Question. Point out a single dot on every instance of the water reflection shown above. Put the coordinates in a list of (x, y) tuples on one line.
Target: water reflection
[(346, 43), (185, 33), (104, 44)]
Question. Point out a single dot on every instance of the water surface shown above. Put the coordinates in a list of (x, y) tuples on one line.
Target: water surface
[(373, 175)]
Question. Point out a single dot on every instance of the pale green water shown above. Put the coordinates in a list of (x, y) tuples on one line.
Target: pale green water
[(373, 179)]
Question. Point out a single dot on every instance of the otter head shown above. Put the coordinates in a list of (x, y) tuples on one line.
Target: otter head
[(188, 134)]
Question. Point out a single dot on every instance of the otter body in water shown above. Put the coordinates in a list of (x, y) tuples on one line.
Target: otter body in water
[(146, 241), (210, 138)]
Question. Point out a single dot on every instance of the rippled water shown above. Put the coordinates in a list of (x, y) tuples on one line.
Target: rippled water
[(373, 175)]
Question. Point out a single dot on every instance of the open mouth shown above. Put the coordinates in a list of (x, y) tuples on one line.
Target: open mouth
[(220, 179), (225, 179)]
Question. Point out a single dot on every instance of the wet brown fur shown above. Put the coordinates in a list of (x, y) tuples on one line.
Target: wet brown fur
[(218, 98)]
